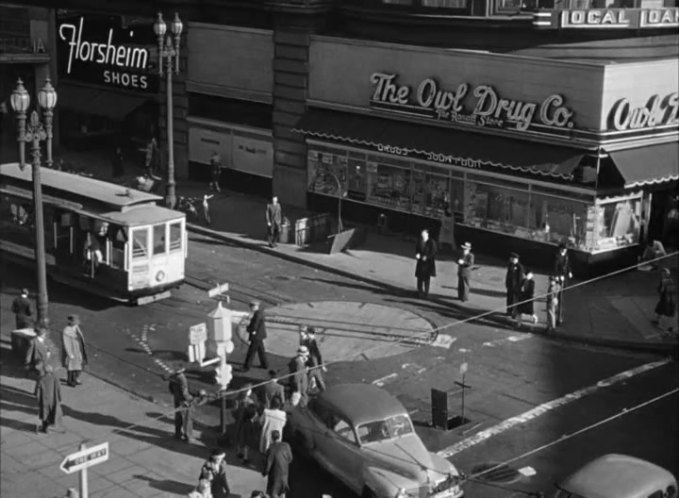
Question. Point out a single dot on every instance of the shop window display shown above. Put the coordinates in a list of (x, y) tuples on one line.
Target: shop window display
[(325, 168), (558, 220), (617, 223), (496, 208)]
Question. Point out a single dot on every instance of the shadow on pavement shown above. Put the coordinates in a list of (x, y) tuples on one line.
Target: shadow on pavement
[(167, 485)]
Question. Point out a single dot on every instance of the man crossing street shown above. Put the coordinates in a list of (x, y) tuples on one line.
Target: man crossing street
[(257, 331)]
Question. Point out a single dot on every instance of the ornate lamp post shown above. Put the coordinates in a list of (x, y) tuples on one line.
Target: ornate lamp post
[(34, 133), (170, 52)]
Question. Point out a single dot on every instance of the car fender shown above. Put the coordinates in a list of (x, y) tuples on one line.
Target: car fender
[(443, 466), (385, 483)]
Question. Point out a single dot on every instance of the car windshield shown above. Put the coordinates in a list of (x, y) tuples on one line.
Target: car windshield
[(381, 430)]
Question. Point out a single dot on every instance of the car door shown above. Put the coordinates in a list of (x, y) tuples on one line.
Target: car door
[(341, 451)]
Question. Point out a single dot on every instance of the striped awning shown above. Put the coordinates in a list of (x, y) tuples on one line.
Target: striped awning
[(406, 138), (650, 165)]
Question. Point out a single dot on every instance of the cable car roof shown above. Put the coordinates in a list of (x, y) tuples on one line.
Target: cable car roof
[(143, 215), (84, 187)]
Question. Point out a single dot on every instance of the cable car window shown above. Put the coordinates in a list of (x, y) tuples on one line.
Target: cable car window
[(140, 240), (175, 236), (159, 239), (118, 239)]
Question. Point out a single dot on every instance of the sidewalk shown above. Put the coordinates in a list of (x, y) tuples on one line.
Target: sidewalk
[(145, 460), (614, 311)]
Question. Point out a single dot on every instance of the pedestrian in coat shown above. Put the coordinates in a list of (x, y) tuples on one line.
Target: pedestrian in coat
[(526, 296), (216, 167), (184, 401), (562, 270), (274, 220), (48, 394), (21, 307), (118, 164), (38, 352), (272, 390), (553, 302), (464, 271), (73, 352), (667, 305), (300, 376), (273, 419), (315, 362), (214, 471), (247, 407), (277, 467), (202, 490), (425, 268), (513, 280), (257, 334)]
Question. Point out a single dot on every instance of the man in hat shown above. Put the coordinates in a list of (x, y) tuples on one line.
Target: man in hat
[(214, 471), (425, 266), (307, 337), (513, 280), (562, 271), (48, 395), (272, 390), (300, 379), (183, 404), (21, 307), (277, 467), (257, 331), (38, 352), (464, 272), (73, 353)]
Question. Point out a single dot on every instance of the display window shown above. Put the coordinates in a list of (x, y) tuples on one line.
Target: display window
[(617, 223), (389, 185), (497, 208), (557, 220)]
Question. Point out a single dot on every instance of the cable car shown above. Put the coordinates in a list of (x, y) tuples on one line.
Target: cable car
[(102, 237)]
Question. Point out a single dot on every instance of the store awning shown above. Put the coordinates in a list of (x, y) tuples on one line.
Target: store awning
[(99, 102), (407, 138), (648, 165)]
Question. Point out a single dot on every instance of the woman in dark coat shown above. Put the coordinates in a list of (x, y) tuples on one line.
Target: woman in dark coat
[(425, 268), (526, 296), (247, 430), (667, 302)]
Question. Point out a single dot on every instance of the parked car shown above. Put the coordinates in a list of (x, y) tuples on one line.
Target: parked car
[(364, 436), (618, 476)]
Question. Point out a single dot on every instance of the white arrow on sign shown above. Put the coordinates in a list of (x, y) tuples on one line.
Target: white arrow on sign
[(216, 291), (85, 458)]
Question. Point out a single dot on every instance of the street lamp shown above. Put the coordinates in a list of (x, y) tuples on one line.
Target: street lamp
[(34, 133), (170, 52)]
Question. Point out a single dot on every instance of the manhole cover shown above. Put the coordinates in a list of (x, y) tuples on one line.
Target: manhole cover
[(496, 472)]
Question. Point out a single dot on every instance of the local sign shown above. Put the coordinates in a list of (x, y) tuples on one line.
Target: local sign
[(479, 106), (94, 51), (667, 17), (85, 458), (197, 334)]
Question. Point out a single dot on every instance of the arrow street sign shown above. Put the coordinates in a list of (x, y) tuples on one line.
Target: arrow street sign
[(216, 291), (85, 458)]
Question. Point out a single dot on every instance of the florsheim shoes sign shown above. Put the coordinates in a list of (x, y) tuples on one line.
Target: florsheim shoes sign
[(95, 50)]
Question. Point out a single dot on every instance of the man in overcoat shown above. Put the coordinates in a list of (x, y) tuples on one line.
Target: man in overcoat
[(299, 381), (277, 467), (513, 281), (21, 307), (562, 270), (48, 395), (73, 352), (183, 404), (257, 331), (315, 361), (464, 272), (274, 220), (425, 268)]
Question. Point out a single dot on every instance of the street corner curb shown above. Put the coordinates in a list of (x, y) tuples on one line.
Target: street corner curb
[(637, 346)]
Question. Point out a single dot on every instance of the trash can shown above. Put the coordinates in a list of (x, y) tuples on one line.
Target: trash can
[(285, 232), (21, 338)]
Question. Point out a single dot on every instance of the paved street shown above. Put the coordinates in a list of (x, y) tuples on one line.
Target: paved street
[(375, 335)]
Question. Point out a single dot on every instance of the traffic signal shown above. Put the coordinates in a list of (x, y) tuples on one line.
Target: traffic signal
[(223, 375)]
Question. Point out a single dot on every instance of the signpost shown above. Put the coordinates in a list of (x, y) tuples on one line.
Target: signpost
[(81, 460), (216, 291), (197, 338)]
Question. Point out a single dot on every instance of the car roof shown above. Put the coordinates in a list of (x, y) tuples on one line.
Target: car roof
[(617, 476), (361, 403)]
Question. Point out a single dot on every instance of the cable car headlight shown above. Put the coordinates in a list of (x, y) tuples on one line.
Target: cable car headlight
[(160, 276)]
